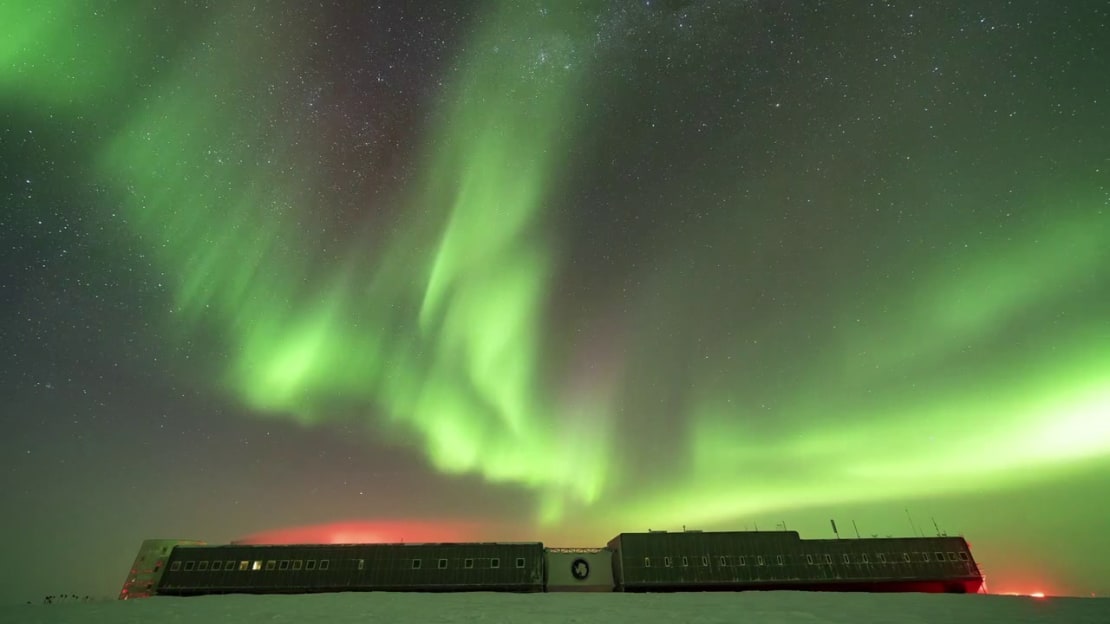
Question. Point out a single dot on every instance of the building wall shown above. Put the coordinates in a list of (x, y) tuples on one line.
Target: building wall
[(359, 567), (581, 569), (150, 563), (674, 560)]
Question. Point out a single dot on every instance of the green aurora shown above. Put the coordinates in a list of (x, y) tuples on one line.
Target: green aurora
[(440, 319), (442, 333)]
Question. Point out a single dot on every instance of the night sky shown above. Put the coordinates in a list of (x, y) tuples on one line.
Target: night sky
[(553, 270)]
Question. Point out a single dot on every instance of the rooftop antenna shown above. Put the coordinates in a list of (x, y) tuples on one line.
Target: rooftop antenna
[(913, 527), (835, 532), (935, 526), (855, 527)]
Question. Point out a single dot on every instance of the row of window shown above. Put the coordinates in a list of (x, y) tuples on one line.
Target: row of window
[(468, 564), (310, 564), (741, 560), (243, 566)]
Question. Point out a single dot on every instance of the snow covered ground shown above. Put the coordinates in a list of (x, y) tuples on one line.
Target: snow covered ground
[(731, 608)]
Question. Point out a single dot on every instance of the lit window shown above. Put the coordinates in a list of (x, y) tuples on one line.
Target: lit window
[(906, 557), (705, 561), (647, 562), (809, 559), (257, 565), (175, 566), (298, 564), (244, 566), (284, 565), (216, 565), (495, 563), (724, 561), (667, 561), (361, 564), (415, 564), (468, 563), (847, 559), (963, 556), (828, 559), (324, 563), (271, 565), (310, 564), (685, 562), (202, 566), (189, 565), (742, 560), (520, 562), (442, 564), (759, 560)]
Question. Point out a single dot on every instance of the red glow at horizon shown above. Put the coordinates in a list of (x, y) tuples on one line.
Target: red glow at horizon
[(1036, 594), (367, 532)]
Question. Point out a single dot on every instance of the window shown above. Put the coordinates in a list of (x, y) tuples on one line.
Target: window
[(229, 566), (361, 564), (724, 561), (906, 557), (963, 556), (324, 563), (495, 563), (244, 566), (828, 559), (271, 565), (951, 556), (298, 564), (667, 562), (647, 562), (520, 562), (705, 561), (939, 556), (468, 563), (685, 562), (882, 557), (175, 566), (284, 565), (863, 558), (310, 564), (415, 564), (216, 565), (847, 559), (202, 566), (778, 559), (809, 559), (741, 560), (256, 566), (189, 565), (442, 564), (759, 560), (925, 557)]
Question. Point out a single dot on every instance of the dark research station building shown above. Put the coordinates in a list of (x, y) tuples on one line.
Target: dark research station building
[(656, 561)]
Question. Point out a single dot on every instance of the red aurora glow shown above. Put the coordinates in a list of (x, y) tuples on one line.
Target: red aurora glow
[(366, 532)]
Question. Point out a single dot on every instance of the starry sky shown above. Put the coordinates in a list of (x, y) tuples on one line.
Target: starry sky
[(446, 270)]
